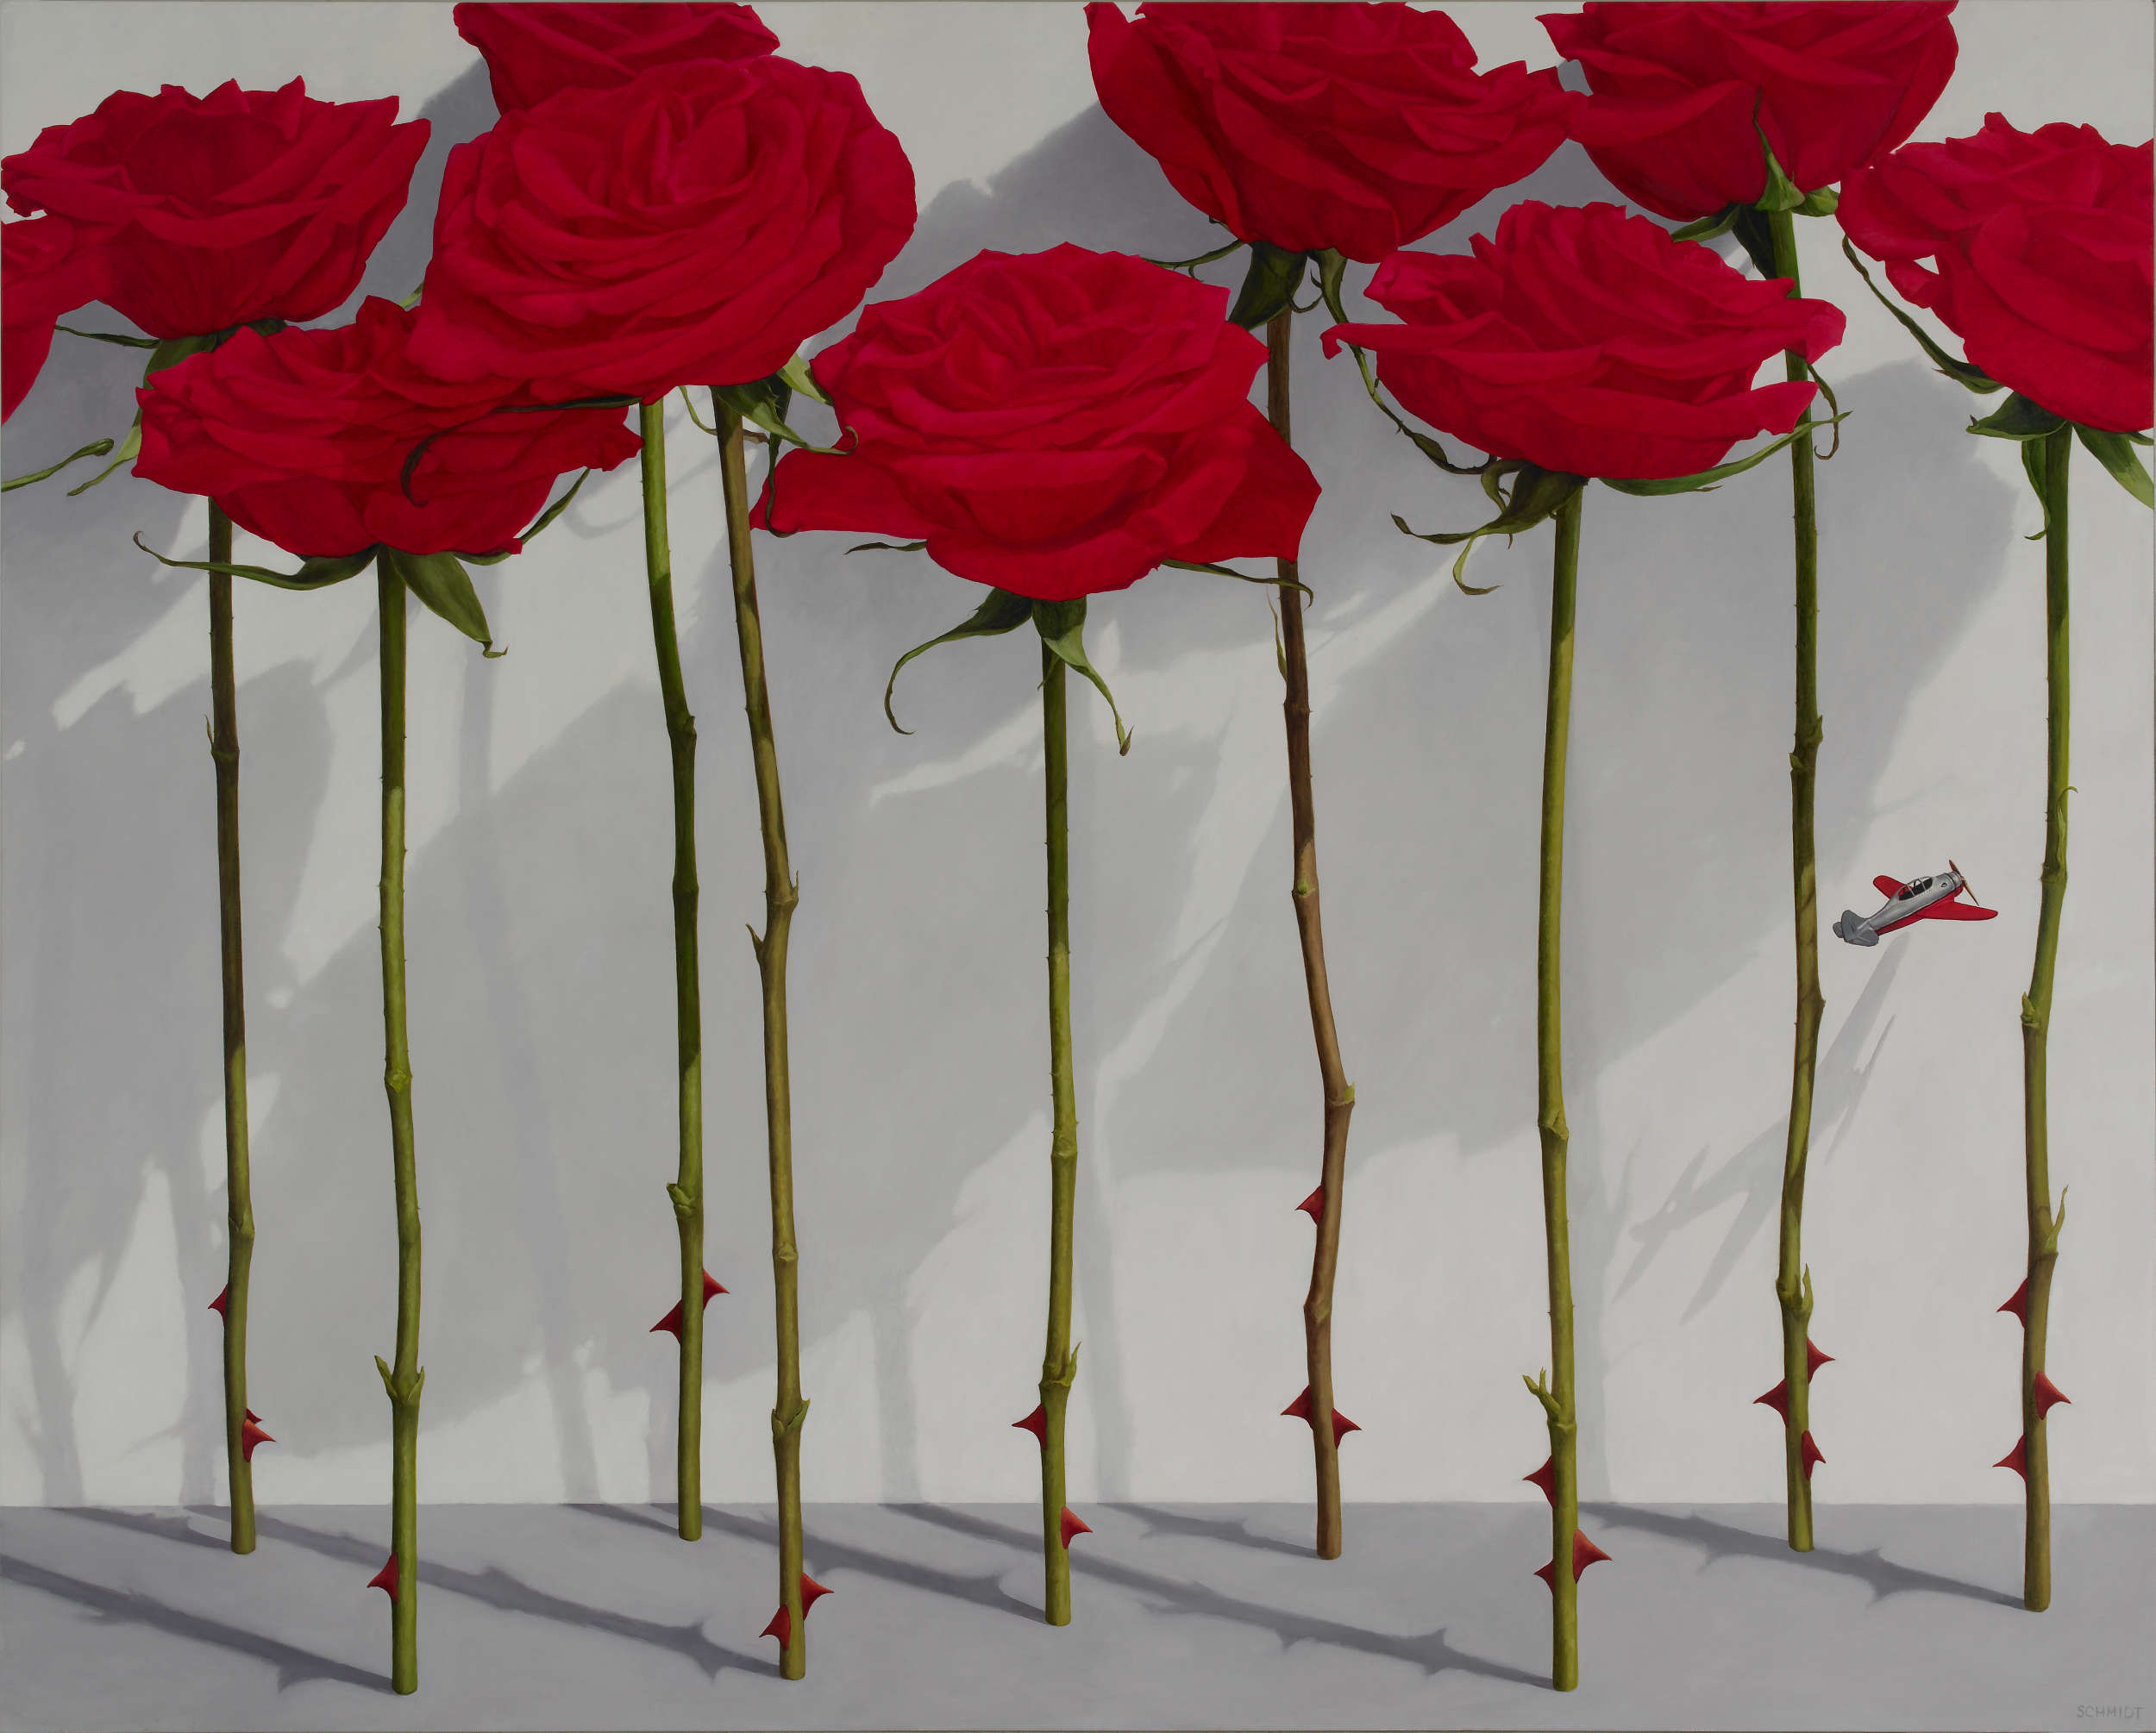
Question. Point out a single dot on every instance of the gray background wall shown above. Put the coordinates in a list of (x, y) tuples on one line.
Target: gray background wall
[(540, 989)]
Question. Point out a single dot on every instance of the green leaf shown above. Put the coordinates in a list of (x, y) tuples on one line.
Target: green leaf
[(441, 581), (1277, 582), (1061, 625), (2018, 418), (1190, 266), (110, 337), (313, 575), (1002, 612), (94, 448), (1960, 372), (1707, 228), (538, 523), (1269, 288), (2116, 452), (128, 449), (1705, 478), (1535, 494)]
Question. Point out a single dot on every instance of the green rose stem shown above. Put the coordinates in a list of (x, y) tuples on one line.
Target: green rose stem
[(2037, 1394), (687, 1191), (406, 1381), (1059, 1365), (781, 891), (1339, 1094), (1793, 1279), (1556, 1393), (225, 752)]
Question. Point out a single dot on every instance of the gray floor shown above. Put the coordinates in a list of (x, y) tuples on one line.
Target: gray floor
[(1193, 1616)]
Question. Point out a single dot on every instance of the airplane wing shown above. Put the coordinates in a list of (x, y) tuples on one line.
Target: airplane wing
[(1886, 886), (1951, 908)]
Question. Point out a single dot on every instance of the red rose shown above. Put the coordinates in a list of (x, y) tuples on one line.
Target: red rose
[(1675, 87), (693, 226), (302, 438), (1054, 424), (1586, 341), (221, 210), (1339, 124), (2040, 244), (532, 51), (43, 274)]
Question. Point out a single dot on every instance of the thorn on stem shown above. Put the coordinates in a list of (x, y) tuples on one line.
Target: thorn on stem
[(250, 1435), (1035, 1423), (1813, 1358), (1072, 1527), (672, 1322), (1314, 1206), (1299, 1409), (2048, 1395), (1546, 1478), (1776, 1398), (1808, 1452), (2016, 1459), (386, 1578), (1584, 1553), (781, 1625), (217, 1305), (2018, 1302)]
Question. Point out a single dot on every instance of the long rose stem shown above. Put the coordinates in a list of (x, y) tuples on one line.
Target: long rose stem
[(688, 1190), (1339, 1094), (1793, 1277), (406, 1380), (1557, 1399), (2043, 1223), (781, 891), (1059, 1365), (225, 752)]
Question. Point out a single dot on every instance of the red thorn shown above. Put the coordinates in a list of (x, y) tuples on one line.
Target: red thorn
[(1549, 1575), (385, 1577), (1546, 1478), (672, 1322), (2016, 1459), (250, 1435), (1314, 1206), (1813, 1358), (1776, 1398), (253, 1416), (2018, 1302), (1299, 1409), (1584, 1553), (1072, 1527), (1808, 1452), (2048, 1395), (1035, 1423), (812, 1593), (782, 1626), (217, 1305)]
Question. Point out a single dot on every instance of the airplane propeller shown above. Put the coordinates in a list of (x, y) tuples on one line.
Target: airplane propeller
[(1963, 877)]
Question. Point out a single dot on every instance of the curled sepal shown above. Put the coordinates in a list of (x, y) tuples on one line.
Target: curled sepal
[(1534, 495), (1188, 267), (313, 575), (538, 523), (96, 448), (1002, 612), (2033, 467), (1277, 582), (1707, 479), (2018, 418), (765, 403), (1061, 625), (441, 581), (110, 337), (2115, 451), (1960, 372), (1834, 413), (128, 449), (1269, 287)]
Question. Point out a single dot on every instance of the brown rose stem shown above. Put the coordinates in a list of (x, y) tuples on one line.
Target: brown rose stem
[(687, 1191), (1059, 1365), (2043, 1223), (1793, 1278), (225, 752), (1556, 1391), (1339, 1093), (406, 1381), (781, 891)]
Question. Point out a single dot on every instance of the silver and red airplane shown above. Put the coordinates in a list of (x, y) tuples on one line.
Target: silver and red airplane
[(1933, 899)]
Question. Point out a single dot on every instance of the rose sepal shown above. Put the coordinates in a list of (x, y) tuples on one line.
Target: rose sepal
[(169, 352), (2115, 451), (1268, 287), (1061, 625), (441, 581), (1704, 480), (96, 447), (2018, 418), (1002, 612), (1189, 267), (766, 400), (1711, 227), (1332, 273), (1534, 495), (1960, 372), (313, 575), (1207, 565)]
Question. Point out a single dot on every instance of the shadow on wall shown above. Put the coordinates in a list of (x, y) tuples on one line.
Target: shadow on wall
[(539, 920)]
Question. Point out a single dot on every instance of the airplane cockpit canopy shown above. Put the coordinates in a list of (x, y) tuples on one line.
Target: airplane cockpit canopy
[(1914, 888)]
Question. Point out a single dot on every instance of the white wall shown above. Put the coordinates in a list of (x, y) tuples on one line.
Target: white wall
[(542, 1001)]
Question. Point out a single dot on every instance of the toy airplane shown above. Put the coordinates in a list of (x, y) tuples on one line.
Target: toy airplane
[(1920, 899)]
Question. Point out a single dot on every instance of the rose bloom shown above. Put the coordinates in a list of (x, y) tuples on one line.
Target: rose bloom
[(2040, 247), (1586, 341), (532, 51), (302, 438), (1054, 424), (1339, 124), (222, 210), (43, 274), (691, 227), (1674, 86)]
